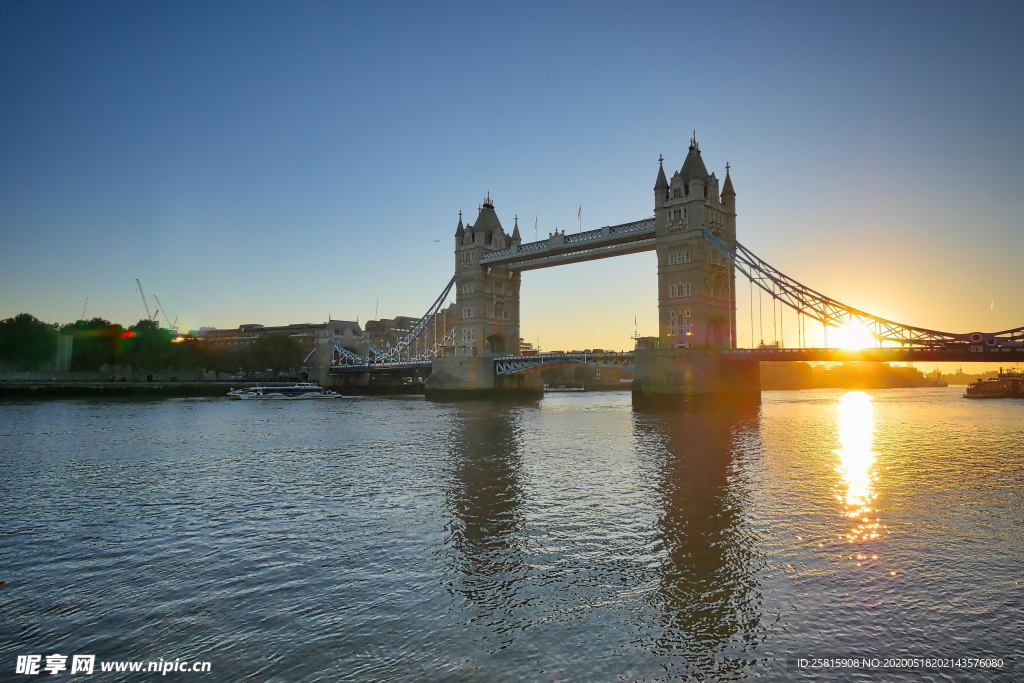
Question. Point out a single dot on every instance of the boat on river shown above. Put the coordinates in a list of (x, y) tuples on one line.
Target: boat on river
[(1009, 384), (303, 391)]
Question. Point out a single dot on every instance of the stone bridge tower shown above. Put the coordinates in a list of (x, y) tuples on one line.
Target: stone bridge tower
[(487, 298), (696, 284)]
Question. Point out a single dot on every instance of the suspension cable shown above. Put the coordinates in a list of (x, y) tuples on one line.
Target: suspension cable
[(775, 330), (760, 312), (751, 312)]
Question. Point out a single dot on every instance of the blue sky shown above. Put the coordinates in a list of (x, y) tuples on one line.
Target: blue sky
[(280, 163)]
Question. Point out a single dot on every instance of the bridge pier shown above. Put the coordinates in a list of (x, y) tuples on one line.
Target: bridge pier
[(673, 375), (321, 374), (470, 377)]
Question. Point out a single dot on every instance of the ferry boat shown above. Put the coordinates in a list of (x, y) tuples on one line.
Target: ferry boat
[(1006, 385), (297, 392)]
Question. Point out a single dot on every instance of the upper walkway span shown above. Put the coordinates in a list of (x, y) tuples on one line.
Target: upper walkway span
[(560, 248)]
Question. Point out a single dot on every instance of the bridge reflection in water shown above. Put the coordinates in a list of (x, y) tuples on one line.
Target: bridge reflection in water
[(708, 595), (484, 500), (645, 543)]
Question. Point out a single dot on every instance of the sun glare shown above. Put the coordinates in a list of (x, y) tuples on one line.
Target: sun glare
[(851, 336), (856, 464)]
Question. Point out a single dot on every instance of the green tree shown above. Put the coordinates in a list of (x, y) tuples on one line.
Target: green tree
[(229, 361), (27, 342), (149, 347), (278, 351), (187, 355), (96, 342)]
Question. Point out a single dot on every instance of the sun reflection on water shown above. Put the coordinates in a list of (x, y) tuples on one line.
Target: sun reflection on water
[(856, 464)]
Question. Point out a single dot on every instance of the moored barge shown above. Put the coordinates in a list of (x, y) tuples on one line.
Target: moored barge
[(1008, 384)]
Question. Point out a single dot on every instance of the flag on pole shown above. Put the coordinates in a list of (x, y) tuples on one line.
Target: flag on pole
[(580, 212)]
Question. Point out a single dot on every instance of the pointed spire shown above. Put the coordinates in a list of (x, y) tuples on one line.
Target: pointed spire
[(459, 231), (727, 186), (693, 165), (661, 183), (515, 233)]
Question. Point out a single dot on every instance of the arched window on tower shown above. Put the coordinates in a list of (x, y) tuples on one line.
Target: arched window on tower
[(496, 344)]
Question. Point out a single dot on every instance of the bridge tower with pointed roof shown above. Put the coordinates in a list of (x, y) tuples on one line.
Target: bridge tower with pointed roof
[(696, 285), (487, 297)]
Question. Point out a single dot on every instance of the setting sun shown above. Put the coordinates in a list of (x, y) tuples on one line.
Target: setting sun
[(852, 335)]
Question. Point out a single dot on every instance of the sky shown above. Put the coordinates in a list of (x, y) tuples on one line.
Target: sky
[(281, 163)]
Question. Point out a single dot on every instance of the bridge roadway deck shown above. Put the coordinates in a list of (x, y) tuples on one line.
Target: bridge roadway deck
[(964, 354), (393, 366), (512, 364)]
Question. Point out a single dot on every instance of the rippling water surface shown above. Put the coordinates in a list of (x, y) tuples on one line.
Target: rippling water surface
[(572, 539)]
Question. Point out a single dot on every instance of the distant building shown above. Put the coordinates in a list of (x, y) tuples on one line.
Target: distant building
[(647, 342), (387, 332), (345, 333)]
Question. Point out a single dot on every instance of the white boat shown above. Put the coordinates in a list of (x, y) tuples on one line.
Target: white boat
[(297, 392)]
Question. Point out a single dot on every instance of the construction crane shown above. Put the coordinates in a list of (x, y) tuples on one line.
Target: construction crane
[(84, 307), (149, 316), (167, 316)]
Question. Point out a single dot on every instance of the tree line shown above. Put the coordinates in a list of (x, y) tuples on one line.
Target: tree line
[(27, 344)]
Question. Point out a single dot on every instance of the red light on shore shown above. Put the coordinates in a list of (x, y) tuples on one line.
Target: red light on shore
[(127, 333)]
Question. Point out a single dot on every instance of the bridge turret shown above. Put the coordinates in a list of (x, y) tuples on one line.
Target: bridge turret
[(694, 174), (460, 233), (660, 185), (516, 238), (728, 194), (712, 191)]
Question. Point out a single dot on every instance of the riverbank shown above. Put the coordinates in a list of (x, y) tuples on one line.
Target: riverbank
[(156, 389), (77, 389), (853, 375)]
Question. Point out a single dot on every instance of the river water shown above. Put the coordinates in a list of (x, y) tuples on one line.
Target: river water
[(572, 539)]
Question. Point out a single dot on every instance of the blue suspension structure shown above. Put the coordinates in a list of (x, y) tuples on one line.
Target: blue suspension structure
[(393, 354)]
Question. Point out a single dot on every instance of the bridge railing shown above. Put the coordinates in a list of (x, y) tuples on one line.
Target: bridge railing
[(533, 246), (507, 365), (584, 236), (646, 225), (496, 254)]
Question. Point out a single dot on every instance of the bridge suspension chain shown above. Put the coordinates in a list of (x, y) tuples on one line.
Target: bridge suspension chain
[(393, 354), (832, 313)]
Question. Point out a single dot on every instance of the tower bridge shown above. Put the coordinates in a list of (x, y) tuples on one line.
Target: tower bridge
[(693, 232)]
